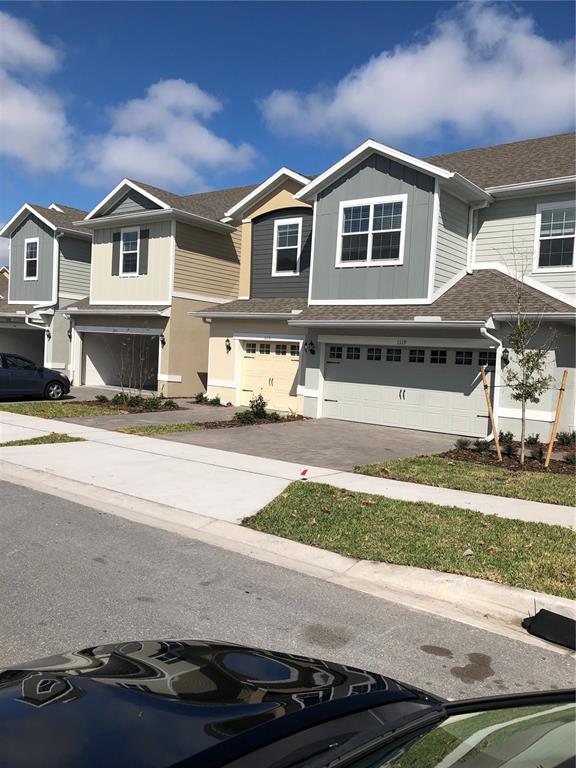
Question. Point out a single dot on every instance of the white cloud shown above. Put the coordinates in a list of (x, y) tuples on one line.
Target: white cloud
[(484, 69), (33, 124), (161, 138)]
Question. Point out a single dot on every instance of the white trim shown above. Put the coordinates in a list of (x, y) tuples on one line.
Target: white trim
[(56, 366), (532, 415), (55, 267), (54, 207), (434, 239), (76, 296), (269, 183), (129, 303), (367, 302), (449, 284), (170, 377), (528, 185), (37, 259), (279, 223), (200, 297), (303, 391), (406, 342), (129, 331), (321, 377), (5, 231), (268, 337), (536, 268), (533, 283), (372, 202), (237, 370), (312, 248), (226, 383), (121, 272), (117, 188), (367, 148), (172, 260)]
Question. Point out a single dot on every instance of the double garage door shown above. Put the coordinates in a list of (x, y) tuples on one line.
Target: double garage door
[(270, 369), (438, 390)]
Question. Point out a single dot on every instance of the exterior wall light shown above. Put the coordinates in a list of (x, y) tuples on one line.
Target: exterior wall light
[(48, 335), (311, 348), (505, 356), (162, 340), (228, 345)]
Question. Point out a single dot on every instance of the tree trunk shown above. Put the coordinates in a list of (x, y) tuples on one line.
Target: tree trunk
[(523, 432)]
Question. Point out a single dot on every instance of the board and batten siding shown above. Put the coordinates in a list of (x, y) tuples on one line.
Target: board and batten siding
[(132, 202), (263, 283), (452, 239), (75, 256), (207, 263), (41, 289), (375, 177), (505, 234)]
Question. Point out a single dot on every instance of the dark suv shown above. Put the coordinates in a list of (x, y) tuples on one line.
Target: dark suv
[(20, 377)]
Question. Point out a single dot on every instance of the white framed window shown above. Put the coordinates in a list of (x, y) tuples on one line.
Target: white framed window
[(372, 231), (31, 247), (287, 245), (129, 251), (374, 354), (555, 236)]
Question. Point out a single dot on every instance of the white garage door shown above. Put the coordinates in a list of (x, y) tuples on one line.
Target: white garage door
[(438, 390), (26, 342), (270, 369), (120, 360)]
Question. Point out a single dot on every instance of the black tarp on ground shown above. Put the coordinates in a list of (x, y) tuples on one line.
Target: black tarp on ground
[(553, 627)]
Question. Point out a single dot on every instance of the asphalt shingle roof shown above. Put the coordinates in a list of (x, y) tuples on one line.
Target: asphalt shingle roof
[(258, 306), (212, 205), (64, 219)]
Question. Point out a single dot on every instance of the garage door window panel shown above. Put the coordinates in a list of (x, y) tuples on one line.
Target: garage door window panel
[(372, 231), (352, 353), (281, 349), (129, 252), (287, 246), (335, 353), (393, 355), (264, 349), (487, 357), (251, 348), (374, 354), (463, 357), (416, 356), (294, 350), (438, 356), (31, 245)]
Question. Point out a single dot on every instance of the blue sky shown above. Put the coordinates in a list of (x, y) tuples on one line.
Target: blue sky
[(200, 95)]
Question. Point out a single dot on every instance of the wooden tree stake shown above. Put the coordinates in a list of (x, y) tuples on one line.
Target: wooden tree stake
[(491, 413), (556, 418)]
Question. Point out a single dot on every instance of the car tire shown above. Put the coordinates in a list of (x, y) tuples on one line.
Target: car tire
[(54, 391)]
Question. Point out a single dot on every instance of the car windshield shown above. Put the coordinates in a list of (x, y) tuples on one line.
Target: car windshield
[(518, 737)]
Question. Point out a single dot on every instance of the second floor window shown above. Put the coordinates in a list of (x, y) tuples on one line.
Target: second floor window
[(129, 252), (556, 236), (287, 241), (31, 259), (372, 231)]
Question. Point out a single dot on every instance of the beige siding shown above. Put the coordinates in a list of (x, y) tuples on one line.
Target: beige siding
[(153, 288), (207, 263), (452, 239), (506, 232)]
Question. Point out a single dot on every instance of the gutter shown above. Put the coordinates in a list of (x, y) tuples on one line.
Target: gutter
[(497, 376), (124, 312), (389, 323), (160, 215), (244, 315), (531, 185), (536, 315)]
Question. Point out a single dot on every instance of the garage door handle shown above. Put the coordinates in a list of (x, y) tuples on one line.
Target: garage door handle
[(328, 400)]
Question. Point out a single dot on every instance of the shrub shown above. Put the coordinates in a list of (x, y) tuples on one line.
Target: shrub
[(509, 449), (505, 437), (533, 439), (570, 458), (214, 400), (120, 398), (101, 399), (462, 443), (537, 452), (136, 401), (245, 417), (258, 407), (274, 416), (482, 446), (566, 438), (170, 405), (199, 397), (151, 403)]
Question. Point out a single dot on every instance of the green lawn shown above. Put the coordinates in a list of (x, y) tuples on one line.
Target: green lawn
[(480, 478), (534, 556), (53, 437), (159, 429), (58, 410)]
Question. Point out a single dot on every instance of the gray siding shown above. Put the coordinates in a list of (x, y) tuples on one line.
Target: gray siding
[(375, 177), (75, 265), (506, 232), (263, 284), (451, 246), (31, 291), (132, 202)]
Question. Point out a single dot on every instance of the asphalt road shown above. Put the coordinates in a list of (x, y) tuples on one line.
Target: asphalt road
[(72, 577)]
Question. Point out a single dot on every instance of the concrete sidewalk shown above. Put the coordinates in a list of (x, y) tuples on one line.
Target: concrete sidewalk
[(220, 484)]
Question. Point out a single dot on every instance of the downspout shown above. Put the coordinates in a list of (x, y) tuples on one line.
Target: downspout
[(497, 374)]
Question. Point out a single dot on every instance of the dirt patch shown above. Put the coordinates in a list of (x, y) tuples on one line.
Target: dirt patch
[(232, 423), (508, 462)]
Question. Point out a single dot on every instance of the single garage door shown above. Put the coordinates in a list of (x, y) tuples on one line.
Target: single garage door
[(120, 360), (270, 369), (438, 390), (25, 341)]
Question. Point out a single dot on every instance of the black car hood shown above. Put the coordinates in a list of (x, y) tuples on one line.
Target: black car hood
[(157, 702)]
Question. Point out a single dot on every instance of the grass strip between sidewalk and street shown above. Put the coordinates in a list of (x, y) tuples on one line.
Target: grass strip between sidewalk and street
[(53, 437), (58, 410), (548, 487), (160, 429), (533, 556)]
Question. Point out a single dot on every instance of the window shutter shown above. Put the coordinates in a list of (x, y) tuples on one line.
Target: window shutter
[(116, 253), (143, 261)]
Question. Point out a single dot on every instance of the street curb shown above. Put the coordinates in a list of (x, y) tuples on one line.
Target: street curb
[(483, 604)]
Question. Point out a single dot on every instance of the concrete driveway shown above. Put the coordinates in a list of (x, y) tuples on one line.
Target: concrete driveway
[(320, 442)]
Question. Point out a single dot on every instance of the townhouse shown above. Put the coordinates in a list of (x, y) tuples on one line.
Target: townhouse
[(375, 291), (49, 268), (156, 257)]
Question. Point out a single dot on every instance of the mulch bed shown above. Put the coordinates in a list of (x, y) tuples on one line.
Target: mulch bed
[(508, 462), (119, 409), (232, 423)]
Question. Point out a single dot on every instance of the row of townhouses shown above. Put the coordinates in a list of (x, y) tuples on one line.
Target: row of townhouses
[(372, 292)]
